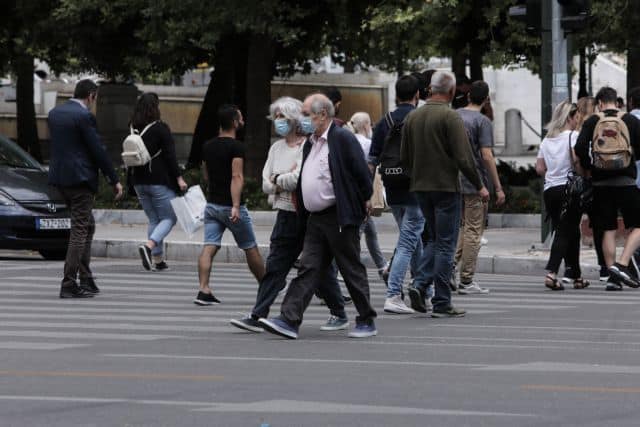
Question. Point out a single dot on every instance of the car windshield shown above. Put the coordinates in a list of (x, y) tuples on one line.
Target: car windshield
[(11, 155)]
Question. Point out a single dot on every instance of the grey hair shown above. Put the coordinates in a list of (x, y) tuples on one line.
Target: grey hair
[(442, 82), (320, 102), (561, 114), (358, 122), (289, 107)]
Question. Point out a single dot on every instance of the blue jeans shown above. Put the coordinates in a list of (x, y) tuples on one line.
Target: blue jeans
[(217, 218), (156, 203), (371, 239), (409, 247), (441, 212)]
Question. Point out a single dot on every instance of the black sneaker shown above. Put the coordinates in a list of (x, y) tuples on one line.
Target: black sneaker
[(604, 273), (145, 256), (74, 292), (161, 266), (347, 299), (89, 285), (247, 323), (205, 299), (612, 286), (448, 312), (417, 297), (623, 273)]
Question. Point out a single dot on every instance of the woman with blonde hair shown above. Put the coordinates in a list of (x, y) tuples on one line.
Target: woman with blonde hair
[(555, 161)]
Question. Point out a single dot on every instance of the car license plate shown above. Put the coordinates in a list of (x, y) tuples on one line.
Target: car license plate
[(53, 223)]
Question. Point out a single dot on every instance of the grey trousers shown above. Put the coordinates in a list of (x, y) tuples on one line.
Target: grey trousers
[(80, 202)]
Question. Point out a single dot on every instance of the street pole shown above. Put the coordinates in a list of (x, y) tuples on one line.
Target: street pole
[(560, 90), (554, 73), (546, 77)]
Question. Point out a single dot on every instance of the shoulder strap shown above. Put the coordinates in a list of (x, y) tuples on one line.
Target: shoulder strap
[(389, 120), (571, 158), (147, 127)]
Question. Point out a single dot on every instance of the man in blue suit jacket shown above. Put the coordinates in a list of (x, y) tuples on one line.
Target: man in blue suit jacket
[(76, 154)]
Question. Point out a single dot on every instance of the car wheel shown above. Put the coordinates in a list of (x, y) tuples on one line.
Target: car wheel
[(53, 254)]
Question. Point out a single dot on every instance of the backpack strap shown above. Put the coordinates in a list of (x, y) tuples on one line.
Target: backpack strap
[(389, 120), (147, 127)]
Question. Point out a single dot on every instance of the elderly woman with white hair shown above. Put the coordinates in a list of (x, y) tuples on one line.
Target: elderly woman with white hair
[(360, 125), (279, 181)]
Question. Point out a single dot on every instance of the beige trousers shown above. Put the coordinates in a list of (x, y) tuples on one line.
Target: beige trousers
[(473, 219)]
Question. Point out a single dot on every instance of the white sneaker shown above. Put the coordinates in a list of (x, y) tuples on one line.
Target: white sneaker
[(396, 305), (483, 242), (429, 304), (472, 288)]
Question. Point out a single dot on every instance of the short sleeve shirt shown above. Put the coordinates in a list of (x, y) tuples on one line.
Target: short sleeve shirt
[(480, 132), (557, 157), (218, 154)]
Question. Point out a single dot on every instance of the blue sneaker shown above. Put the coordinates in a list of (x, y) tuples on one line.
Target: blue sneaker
[(364, 330), (279, 326), (335, 323)]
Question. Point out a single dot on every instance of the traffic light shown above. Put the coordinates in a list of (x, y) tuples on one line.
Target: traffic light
[(528, 12), (575, 14)]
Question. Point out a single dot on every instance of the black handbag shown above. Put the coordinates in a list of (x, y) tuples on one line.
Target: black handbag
[(578, 190)]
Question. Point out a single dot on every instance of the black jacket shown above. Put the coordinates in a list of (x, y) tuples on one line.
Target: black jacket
[(164, 168), (75, 151), (349, 173)]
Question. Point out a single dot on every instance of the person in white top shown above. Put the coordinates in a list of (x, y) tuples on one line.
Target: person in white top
[(279, 181), (360, 125), (555, 160)]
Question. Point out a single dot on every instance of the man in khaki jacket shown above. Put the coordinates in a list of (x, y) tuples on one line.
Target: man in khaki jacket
[(435, 149)]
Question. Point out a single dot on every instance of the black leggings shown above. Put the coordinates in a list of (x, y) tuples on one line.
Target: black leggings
[(566, 242)]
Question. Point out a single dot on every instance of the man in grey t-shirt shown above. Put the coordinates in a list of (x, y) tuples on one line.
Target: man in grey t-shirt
[(480, 131)]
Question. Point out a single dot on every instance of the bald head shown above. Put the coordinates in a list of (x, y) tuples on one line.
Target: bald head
[(319, 109), (318, 102)]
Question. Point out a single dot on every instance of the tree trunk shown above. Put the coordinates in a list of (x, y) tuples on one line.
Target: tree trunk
[(26, 113), (582, 78), (219, 91), (458, 62), (475, 62), (258, 84), (633, 68)]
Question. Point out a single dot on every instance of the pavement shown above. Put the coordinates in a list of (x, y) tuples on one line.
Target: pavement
[(141, 354), (513, 246)]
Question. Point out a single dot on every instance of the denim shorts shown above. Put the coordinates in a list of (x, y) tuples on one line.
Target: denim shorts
[(216, 220)]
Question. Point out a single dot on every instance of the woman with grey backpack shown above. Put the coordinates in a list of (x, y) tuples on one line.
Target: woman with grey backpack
[(155, 177)]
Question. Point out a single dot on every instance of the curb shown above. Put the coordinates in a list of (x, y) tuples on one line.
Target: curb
[(189, 251), (267, 218)]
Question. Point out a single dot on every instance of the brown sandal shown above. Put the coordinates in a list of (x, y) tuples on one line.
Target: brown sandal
[(552, 283), (580, 283)]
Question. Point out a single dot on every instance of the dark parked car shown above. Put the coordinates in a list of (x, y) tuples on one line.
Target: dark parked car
[(33, 215)]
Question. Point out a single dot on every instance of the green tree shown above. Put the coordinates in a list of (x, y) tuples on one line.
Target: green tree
[(27, 32), (611, 28), (475, 31)]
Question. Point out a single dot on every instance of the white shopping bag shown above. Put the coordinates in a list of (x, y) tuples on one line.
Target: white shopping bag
[(189, 210)]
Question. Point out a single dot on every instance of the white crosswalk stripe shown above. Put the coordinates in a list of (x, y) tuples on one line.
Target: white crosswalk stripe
[(140, 306)]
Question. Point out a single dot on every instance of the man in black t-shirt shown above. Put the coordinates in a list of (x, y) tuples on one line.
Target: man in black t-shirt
[(223, 159), (613, 191)]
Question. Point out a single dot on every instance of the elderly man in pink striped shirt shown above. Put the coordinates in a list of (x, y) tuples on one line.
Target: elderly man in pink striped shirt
[(334, 189)]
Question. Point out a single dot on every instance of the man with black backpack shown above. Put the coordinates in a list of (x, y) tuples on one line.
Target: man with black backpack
[(385, 152), (606, 147)]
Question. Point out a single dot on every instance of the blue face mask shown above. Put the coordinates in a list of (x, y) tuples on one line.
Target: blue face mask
[(282, 127), (306, 125)]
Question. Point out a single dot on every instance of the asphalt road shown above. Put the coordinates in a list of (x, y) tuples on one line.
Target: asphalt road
[(141, 354)]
